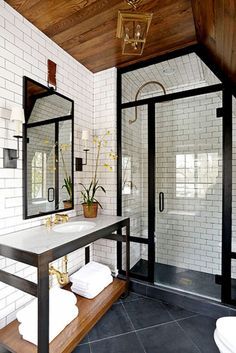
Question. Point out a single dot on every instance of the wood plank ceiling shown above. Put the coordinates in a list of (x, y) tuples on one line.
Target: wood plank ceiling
[(86, 29), (215, 22)]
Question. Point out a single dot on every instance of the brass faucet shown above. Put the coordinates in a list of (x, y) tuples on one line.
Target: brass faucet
[(57, 219), (61, 217), (62, 277)]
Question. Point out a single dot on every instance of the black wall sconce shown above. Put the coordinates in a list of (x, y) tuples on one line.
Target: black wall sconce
[(10, 156), (79, 161)]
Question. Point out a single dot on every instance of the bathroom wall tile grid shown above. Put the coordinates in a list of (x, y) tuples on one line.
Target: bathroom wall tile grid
[(24, 50)]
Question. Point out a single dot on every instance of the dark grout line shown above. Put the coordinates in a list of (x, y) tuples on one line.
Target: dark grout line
[(141, 343), (110, 337), (90, 348), (177, 322), (137, 330), (145, 328)]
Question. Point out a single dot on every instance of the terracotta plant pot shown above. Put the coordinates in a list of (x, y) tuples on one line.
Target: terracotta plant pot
[(90, 211), (67, 204)]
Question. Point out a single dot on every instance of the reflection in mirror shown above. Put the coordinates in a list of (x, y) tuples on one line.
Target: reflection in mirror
[(48, 150), (49, 107), (41, 169), (65, 162)]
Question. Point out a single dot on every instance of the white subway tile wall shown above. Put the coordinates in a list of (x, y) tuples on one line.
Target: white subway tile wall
[(105, 120), (24, 50)]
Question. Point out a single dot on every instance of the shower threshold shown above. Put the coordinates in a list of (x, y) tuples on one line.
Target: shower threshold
[(188, 281)]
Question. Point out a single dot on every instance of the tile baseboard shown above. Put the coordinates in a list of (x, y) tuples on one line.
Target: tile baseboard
[(200, 305)]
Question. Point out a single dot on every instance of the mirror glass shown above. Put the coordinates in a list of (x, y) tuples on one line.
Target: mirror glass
[(47, 150)]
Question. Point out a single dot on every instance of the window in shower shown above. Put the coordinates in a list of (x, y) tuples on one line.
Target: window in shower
[(196, 174), (127, 183)]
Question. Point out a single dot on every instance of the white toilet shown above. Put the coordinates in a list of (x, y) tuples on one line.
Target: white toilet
[(225, 334)]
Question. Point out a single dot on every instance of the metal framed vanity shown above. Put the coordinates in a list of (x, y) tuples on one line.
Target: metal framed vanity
[(38, 247)]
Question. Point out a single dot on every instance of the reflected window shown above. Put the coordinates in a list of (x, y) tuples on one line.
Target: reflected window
[(126, 182), (196, 174), (38, 175)]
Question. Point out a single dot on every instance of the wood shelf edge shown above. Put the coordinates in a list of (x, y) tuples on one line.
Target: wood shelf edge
[(90, 311)]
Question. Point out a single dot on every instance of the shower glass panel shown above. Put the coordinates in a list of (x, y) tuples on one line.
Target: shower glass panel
[(134, 170), (138, 259), (189, 194)]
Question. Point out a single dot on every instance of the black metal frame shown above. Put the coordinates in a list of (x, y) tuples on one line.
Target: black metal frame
[(56, 122), (41, 262), (228, 89)]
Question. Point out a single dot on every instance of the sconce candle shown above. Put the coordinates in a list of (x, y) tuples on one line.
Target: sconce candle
[(18, 116), (85, 138)]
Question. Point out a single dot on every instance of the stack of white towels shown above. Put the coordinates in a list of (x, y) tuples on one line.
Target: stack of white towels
[(62, 310), (91, 279)]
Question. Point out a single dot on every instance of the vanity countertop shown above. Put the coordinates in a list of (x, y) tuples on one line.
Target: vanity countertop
[(39, 240)]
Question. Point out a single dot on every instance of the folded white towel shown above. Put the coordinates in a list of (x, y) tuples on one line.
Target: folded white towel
[(57, 323), (92, 292), (91, 274), (93, 281), (58, 299)]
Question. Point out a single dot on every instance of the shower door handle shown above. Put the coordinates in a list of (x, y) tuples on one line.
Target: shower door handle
[(161, 201), (51, 194)]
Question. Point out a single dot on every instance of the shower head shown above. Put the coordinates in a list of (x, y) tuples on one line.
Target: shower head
[(139, 90)]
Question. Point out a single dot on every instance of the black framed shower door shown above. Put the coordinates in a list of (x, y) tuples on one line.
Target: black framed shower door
[(146, 270)]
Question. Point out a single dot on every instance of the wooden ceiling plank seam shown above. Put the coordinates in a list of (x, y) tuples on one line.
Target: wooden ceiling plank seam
[(102, 7)]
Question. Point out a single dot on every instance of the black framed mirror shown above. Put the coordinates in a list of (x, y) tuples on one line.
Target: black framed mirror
[(48, 150)]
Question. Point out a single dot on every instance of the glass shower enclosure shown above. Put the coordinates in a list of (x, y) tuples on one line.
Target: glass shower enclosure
[(171, 188)]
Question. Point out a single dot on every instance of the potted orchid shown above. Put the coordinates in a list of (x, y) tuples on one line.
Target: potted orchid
[(90, 203)]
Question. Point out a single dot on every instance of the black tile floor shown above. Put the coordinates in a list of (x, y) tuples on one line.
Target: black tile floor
[(139, 324)]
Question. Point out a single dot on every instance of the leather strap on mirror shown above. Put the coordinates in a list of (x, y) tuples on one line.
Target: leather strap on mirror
[(52, 68)]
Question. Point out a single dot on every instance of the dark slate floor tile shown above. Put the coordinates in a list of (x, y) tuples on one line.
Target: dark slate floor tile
[(115, 322), (84, 348), (146, 312), (121, 344), (178, 313), (167, 338), (201, 330), (138, 287), (132, 296)]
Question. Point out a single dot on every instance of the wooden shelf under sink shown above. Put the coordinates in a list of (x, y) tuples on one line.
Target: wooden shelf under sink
[(90, 311)]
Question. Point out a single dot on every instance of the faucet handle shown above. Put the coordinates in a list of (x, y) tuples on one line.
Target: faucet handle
[(60, 217), (48, 222)]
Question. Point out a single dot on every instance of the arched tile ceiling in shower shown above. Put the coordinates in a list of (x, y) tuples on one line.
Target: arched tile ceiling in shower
[(177, 74)]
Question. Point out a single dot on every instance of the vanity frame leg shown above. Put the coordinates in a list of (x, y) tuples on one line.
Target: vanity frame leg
[(43, 307), (127, 238)]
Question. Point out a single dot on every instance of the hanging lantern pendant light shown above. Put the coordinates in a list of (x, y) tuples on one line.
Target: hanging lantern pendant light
[(132, 28)]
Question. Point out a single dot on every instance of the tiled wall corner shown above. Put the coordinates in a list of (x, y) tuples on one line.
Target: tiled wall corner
[(104, 120)]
